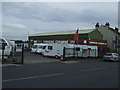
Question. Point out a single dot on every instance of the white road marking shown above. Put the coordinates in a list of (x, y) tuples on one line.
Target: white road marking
[(93, 69), (70, 62), (6, 65), (33, 77)]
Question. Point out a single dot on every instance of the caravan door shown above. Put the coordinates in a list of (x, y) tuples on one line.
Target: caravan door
[(48, 50)]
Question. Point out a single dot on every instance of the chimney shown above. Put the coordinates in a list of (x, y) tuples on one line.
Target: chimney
[(97, 25), (107, 24), (116, 29)]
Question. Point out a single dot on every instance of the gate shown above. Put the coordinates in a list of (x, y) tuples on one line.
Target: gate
[(16, 56), (77, 52)]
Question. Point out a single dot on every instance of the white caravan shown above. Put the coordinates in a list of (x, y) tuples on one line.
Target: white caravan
[(56, 50), (7, 49), (37, 48)]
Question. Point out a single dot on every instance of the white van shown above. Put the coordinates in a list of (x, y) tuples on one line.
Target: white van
[(37, 48), (7, 49)]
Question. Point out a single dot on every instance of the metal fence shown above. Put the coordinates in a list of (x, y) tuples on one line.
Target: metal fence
[(69, 53), (16, 56)]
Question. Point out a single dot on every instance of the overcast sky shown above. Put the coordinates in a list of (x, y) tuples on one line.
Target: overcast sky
[(21, 19)]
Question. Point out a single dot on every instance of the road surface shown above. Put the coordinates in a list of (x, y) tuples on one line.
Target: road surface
[(67, 74)]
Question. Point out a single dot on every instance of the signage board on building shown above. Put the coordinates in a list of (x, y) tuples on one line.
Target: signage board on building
[(60, 41), (100, 43)]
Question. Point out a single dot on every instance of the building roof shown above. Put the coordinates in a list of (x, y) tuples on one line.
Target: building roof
[(64, 32)]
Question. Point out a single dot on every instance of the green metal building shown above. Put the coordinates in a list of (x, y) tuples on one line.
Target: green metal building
[(67, 35)]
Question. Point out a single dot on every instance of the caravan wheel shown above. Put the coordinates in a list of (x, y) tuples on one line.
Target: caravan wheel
[(56, 56)]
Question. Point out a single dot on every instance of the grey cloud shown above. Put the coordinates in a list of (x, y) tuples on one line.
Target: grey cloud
[(44, 12), (43, 17), (41, 12), (22, 10)]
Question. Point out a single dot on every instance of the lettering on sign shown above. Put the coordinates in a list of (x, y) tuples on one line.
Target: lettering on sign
[(101, 43), (48, 41), (72, 42), (61, 41)]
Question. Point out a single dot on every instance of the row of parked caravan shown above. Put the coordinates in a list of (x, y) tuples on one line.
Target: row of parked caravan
[(57, 50)]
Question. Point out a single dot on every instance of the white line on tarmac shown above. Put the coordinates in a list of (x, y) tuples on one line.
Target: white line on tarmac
[(33, 77), (93, 69), (6, 65)]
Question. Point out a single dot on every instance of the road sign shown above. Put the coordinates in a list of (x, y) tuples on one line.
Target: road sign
[(114, 41)]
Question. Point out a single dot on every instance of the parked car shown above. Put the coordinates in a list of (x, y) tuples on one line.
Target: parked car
[(111, 57)]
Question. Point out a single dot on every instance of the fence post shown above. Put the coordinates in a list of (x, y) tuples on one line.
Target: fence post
[(3, 48), (2, 56), (82, 52), (95, 53), (89, 51), (74, 52), (22, 60), (64, 53)]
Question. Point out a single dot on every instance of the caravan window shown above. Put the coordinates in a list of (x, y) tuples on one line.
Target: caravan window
[(40, 46), (34, 46), (77, 49), (50, 47), (43, 47)]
